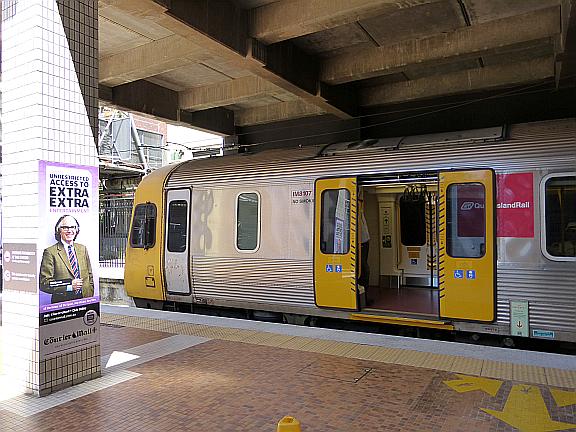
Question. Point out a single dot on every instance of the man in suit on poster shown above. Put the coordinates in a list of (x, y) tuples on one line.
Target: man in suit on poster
[(65, 271)]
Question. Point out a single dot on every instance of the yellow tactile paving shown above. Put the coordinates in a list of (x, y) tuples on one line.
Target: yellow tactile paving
[(561, 378), (362, 352), (456, 364), (217, 333), (340, 349), (109, 318), (529, 374), (166, 326), (235, 335), (276, 340), (439, 362), (386, 355), (253, 337), (296, 343), (496, 369), (412, 358), (322, 346), (468, 366)]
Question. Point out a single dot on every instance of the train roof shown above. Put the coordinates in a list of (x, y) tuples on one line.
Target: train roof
[(523, 146)]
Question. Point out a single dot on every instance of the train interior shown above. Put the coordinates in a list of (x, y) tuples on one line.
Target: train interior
[(400, 274)]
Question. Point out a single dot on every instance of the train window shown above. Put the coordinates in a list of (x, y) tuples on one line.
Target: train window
[(247, 221), (466, 220), (335, 222), (177, 226), (560, 217), (143, 234), (413, 216)]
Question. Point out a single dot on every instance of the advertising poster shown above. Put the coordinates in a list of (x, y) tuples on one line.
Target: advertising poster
[(515, 205), (68, 257)]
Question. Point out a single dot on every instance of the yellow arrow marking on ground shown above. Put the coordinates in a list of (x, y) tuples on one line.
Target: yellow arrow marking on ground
[(470, 383), (563, 397), (526, 411)]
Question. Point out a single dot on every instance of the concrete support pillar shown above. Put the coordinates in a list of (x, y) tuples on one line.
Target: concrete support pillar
[(50, 169)]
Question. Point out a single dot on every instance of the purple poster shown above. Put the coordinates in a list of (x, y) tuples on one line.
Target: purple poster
[(68, 247)]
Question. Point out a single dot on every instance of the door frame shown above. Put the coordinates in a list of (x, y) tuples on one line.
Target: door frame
[(188, 253)]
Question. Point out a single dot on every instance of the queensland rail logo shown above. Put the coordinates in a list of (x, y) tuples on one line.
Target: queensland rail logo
[(469, 205), (69, 336)]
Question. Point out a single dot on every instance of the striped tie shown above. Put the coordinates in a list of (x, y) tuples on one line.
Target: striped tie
[(73, 262)]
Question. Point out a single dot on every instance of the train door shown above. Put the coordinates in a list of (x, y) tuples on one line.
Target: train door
[(400, 211), (467, 270), (335, 243), (176, 250)]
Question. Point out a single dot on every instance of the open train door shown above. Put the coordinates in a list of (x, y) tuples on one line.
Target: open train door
[(335, 228), (467, 270)]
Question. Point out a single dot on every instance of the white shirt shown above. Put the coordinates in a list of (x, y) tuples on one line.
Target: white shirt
[(364, 234)]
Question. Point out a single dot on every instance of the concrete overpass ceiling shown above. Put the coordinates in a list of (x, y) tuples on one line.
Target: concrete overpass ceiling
[(239, 63)]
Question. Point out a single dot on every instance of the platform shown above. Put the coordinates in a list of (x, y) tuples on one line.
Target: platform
[(184, 372)]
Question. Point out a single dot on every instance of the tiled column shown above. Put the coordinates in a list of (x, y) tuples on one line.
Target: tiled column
[(49, 113)]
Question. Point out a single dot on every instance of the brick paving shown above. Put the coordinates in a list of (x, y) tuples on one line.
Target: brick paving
[(223, 386)]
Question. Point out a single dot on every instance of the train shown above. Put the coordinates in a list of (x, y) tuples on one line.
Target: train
[(470, 232)]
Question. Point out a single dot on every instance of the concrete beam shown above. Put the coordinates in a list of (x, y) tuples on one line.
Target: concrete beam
[(466, 42), (276, 112), (223, 21), (460, 82), (226, 93), (268, 63), (145, 97), (148, 60), (254, 62), (216, 120), (288, 19), (157, 101)]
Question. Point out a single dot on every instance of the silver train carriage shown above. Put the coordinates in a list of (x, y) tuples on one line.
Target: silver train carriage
[(470, 231)]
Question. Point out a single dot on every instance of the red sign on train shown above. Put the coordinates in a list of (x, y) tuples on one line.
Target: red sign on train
[(470, 210), (515, 205)]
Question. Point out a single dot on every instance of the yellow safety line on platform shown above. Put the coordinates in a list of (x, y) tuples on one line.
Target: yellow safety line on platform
[(414, 322), (457, 364)]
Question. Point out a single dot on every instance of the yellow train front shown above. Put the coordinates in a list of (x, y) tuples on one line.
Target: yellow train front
[(472, 231)]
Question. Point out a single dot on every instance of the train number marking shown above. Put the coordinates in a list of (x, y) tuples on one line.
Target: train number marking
[(301, 196)]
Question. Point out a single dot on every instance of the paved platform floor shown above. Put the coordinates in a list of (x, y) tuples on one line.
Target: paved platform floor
[(164, 373)]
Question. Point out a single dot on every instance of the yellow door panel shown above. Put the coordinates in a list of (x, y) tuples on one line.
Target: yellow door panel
[(467, 270), (335, 232)]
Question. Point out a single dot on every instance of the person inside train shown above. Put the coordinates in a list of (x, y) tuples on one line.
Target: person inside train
[(364, 278)]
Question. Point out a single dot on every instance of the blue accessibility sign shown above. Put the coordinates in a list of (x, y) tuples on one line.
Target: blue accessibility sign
[(470, 274), (338, 269), (329, 268), (458, 274)]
